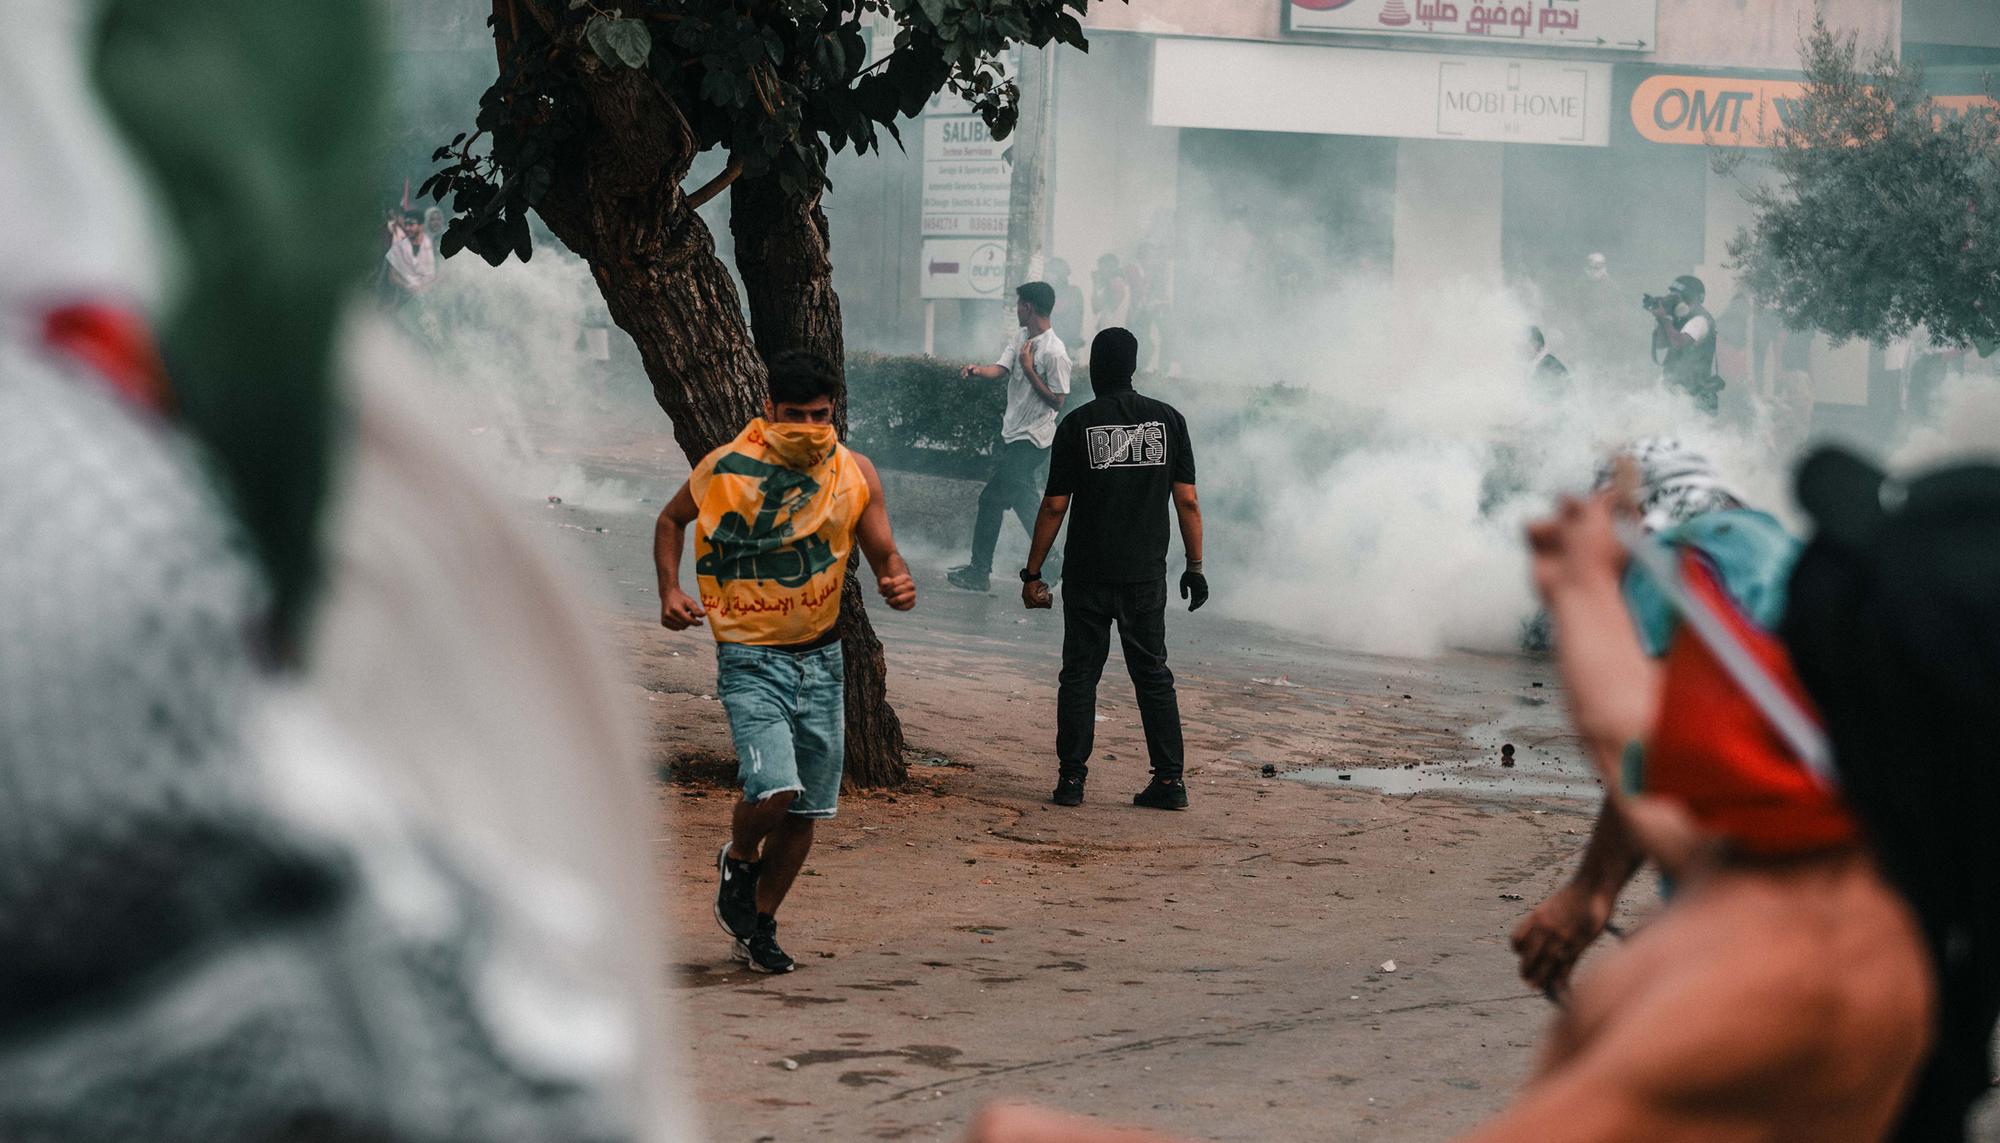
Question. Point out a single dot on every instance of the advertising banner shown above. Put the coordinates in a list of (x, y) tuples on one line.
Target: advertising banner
[(1722, 110), (1599, 25)]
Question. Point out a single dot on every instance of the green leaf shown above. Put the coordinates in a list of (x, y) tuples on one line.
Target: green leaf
[(518, 236), (619, 41), (933, 10)]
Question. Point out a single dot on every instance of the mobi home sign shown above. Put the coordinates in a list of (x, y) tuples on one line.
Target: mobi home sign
[(1236, 85), (1599, 25)]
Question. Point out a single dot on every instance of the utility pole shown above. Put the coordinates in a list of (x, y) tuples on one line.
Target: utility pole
[(1027, 203)]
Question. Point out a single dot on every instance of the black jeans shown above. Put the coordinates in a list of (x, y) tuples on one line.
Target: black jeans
[(1140, 610), (1020, 469)]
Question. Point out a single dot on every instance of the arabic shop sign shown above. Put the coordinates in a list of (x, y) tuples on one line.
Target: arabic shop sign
[(1600, 25), (1731, 111)]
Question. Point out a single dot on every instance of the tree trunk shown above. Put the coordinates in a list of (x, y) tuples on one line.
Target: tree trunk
[(616, 201), (782, 256)]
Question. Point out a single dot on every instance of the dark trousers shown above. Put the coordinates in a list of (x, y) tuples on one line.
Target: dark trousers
[(1140, 610), (1020, 470)]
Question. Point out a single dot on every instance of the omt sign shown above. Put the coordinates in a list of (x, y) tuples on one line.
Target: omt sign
[(1733, 112), (1727, 112)]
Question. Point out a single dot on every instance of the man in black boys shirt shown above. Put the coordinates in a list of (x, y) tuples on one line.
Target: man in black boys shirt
[(1122, 458)]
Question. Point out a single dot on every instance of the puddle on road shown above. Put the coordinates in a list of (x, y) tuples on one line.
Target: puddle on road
[(1453, 778)]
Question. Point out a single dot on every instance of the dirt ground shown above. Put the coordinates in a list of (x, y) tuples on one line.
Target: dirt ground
[(1225, 971)]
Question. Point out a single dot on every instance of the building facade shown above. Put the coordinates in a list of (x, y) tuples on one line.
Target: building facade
[(1280, 146)]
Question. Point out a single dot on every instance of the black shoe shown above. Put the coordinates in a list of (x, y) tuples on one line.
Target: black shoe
[(1162, 796), (1069, 792), (760, 950), (967, 579), (735, 895)]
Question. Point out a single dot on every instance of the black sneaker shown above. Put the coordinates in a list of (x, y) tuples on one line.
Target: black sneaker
[(966, 579), (1162, 796), (1069, 792), (760, 950), (735, 895)]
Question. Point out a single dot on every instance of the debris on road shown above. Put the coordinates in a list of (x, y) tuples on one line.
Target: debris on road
[(1388, 966)]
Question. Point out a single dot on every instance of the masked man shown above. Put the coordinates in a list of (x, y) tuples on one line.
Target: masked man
[(776, 513)]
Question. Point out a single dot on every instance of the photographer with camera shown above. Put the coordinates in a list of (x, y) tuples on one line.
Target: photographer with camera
[(1684, 341)]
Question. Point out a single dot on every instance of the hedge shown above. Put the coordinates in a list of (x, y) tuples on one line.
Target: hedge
[(916, 413)]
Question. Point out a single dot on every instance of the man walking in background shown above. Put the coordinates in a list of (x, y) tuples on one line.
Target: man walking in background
[(1122, 458), (1068, 316), (776, 512), (1035, 366)]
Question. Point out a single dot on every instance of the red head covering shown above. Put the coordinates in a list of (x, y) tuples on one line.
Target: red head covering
[(114, 343), (1719, 756)]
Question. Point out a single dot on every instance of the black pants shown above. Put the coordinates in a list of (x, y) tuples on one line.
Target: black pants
[(1020, 469), (1140, 610)]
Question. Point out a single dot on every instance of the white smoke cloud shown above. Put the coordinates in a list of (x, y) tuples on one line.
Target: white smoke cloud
[(524, 358), (1388, 517), (1966, 427)]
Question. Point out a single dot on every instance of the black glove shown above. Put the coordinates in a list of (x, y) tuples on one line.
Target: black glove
[(1194, 589)]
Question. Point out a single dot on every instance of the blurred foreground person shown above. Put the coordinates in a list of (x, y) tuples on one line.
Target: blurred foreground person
[(1894, 623), (776, 513), (1783, 993), (1687, 506), (319, 815), (1121, 461)]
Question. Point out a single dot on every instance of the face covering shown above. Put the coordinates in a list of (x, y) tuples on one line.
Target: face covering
[(799, 446)]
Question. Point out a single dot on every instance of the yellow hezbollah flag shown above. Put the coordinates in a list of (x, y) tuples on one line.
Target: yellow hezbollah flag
[(777, 508)]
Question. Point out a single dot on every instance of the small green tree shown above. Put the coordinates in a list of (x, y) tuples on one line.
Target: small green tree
[(599, 111), (1886, 211)]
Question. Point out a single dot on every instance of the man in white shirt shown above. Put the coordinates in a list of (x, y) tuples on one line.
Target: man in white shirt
[(1035, 366)]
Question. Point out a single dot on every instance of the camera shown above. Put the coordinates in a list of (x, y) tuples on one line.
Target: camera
[(1658, 301)]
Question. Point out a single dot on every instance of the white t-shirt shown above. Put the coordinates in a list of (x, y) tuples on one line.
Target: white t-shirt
[(1697, 327), (1029, 418)]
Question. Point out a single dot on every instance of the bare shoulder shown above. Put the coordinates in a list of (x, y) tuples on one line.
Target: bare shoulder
[(866, 466), (869, 477), (1750, 996)]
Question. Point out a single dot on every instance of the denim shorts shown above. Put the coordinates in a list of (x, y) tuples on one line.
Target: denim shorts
[(788, 717)]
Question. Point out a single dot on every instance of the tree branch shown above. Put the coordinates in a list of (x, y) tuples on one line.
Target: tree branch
[(716, 185)]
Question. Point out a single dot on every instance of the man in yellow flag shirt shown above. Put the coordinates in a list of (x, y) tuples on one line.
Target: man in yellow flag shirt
[(776, 513)]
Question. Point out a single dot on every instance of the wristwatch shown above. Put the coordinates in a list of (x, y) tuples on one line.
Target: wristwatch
[(1030, 577)]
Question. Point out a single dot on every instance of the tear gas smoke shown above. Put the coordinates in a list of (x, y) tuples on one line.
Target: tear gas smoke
[(523, 356), (1383, 510), (1966, 426)]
